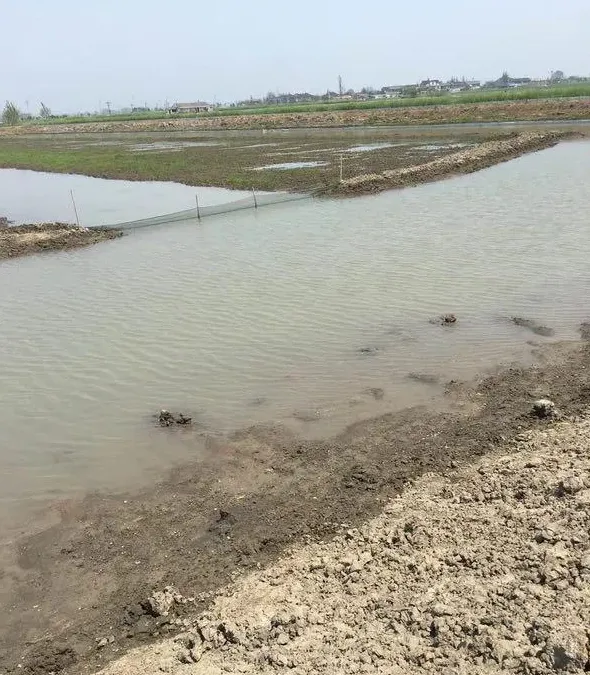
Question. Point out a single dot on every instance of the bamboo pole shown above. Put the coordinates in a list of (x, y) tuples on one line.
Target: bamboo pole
[(75, 209)]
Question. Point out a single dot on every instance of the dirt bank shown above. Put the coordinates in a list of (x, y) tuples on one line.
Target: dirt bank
[(465, 161), (22, 240), (74, 594), (484, 570), (549, 109)]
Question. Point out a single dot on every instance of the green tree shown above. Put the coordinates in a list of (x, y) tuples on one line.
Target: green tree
[(45, 112), (11, 114)]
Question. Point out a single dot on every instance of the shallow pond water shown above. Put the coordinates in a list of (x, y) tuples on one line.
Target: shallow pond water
[(34, 196), (283, 166), (373, 146), (313, 314), (158, 146)]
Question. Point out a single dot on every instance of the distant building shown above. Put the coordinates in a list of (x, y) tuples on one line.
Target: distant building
[(432, 85), (196, 107), (392, 92)]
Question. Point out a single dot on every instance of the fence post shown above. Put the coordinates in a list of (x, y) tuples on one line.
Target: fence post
[(255, 202), (198, 210), (75, 209), (341, 162)]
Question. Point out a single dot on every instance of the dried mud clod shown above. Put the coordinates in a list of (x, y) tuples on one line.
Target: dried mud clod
[(544, 408)]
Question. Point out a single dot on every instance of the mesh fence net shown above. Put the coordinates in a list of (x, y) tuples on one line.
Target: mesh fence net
[(251, 202)]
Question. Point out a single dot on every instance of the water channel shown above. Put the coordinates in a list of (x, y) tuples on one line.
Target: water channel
[(288, 314)]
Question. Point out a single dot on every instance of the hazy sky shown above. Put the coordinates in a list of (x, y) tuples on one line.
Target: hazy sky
[(75, 54)]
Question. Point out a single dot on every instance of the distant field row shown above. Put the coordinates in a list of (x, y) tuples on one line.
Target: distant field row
[(473, 97)]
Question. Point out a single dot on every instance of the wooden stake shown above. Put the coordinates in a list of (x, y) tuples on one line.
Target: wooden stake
[(75, 209)]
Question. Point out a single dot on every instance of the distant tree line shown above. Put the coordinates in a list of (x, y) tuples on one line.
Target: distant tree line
[(12, 115)]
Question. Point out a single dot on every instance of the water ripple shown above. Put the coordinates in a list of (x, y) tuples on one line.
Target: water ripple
[(276, 305)]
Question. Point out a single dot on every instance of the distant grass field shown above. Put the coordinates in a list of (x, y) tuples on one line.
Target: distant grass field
[(472, 97), (521, 94)]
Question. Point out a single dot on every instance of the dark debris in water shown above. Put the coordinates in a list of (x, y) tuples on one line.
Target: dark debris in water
[(533, 326), (425, 378), (444, 320), (367, 351), (167, 419), (376, 392)]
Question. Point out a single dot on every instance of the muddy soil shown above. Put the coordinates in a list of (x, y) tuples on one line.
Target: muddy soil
[(74, 594), (22, 240), (483, 570), (465, 161), (497, 111)]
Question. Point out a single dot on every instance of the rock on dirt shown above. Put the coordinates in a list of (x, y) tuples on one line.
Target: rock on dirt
[(483, 571), (161, 602), (544, 407)]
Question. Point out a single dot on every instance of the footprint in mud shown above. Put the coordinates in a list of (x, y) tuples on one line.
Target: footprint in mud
[(425, 378), (533, 326)]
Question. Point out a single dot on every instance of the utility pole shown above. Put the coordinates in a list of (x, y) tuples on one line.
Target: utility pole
[(108, 105), (340, 85)]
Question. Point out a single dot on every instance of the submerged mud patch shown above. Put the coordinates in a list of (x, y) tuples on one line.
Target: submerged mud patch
[(533, 326)]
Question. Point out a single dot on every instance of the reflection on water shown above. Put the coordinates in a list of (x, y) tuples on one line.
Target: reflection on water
[(171, 145), (296, 313), (33, 197), (374, 146), (289, 165)]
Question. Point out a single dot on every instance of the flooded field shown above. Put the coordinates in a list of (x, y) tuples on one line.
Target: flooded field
[(313, 315), (297, 160)]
